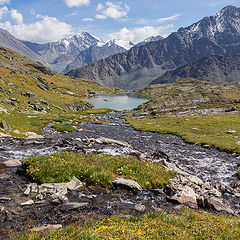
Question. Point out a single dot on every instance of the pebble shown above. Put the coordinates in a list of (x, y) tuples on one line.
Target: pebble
[(30, 202)]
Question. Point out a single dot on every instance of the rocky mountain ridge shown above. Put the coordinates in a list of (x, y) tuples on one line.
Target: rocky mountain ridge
[(7, 40), (217, 34), (76, 51), (217, 68)]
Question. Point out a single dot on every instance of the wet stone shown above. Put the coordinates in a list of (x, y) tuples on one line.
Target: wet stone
[(30, 202), (127, 184), (73, 205)]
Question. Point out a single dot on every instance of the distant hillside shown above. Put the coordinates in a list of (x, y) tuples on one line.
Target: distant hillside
[(92, 54), (9, 41), (27, 87), (189, 97), (214, 35), (219, 68), (76, 51)]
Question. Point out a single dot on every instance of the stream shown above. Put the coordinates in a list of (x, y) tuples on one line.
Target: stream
[(207, 163)]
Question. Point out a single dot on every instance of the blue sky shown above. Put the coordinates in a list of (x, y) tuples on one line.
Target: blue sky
[(134, 20)]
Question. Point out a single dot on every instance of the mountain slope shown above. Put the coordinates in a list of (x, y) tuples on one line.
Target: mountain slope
[(9, 41), (30, 87), (218, 68), (93, 54), (59, 54), (77, 51), (218, 34), (150, 39)]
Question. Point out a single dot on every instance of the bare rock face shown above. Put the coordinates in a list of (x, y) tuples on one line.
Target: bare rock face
[(127, 184), (218, 68)]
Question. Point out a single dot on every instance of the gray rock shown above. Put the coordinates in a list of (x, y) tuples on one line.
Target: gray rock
[(75, 184), (218, 205), (127, 184), (46, 228), (54, 189), (30, 202), (13, 163), (196, 180), (140, 208), (112, 141), (73, 205), (5, 199), (184, 195)]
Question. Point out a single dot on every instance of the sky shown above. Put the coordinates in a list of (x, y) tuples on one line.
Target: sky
[(45, 21)]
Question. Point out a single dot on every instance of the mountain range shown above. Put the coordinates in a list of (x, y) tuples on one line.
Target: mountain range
[(66, 54), (136, 68), (217, 68), (70, 53)]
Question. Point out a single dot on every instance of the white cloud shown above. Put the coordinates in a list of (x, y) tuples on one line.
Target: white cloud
[(3, 11), (112, 10), (77, 3), (136, 35), (15, 15), (2, 2), (158, 20), (47, 29), (88, 19)]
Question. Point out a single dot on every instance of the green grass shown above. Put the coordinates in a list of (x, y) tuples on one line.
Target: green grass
[(35, 122), (211, 130), (238, 173), (186, 225), (94, 169), (95, 111), (66, 127)]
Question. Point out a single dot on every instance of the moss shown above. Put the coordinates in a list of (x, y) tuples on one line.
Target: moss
[(66, 127), (95, 169)]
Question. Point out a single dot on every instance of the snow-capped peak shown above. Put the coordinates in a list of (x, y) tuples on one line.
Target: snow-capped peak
[(82, 41), (121, 43)]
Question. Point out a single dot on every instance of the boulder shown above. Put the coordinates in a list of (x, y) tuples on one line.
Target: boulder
[(13, 163), (184, 195), (217, 204), (127, 184), (75, 184)]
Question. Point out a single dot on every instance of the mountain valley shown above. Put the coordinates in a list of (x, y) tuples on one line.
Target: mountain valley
[(166, 169)]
